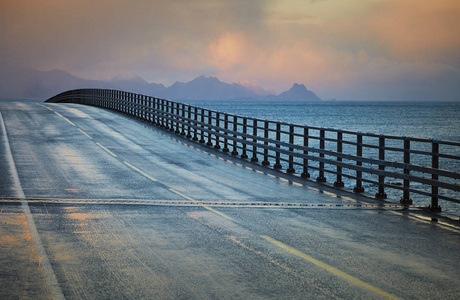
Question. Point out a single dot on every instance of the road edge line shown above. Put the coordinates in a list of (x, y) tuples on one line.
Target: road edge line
[(43, 258)]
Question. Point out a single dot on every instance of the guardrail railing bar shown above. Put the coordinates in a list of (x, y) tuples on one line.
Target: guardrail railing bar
[(186, 119)]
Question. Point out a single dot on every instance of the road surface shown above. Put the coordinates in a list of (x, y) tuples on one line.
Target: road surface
[(98, 205)]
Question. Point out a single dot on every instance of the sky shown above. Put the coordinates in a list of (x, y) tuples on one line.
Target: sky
[(342, 49)]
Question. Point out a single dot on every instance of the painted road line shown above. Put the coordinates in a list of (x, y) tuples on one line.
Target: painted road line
[(330, 269), (87, 135), (202, 205), (139, 171), (41, 253), (65, 118), (107, 150), (46, 107)]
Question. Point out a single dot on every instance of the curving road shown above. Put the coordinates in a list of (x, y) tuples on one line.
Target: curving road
[(95, 204)]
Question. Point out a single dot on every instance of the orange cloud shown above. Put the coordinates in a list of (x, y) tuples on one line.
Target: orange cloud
[(230, 50), (418, 30)]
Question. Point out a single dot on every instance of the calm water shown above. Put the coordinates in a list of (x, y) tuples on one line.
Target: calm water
[(437, 120)]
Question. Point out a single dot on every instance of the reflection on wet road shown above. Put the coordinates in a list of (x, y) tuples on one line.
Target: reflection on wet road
[(126, 210)]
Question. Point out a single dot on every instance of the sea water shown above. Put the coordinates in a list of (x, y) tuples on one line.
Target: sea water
[(432, 120)]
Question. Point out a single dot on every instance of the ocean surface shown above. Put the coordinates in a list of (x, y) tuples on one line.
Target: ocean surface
[(433, 120)]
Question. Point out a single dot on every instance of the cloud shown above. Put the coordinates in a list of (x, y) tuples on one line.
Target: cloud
[(379, 50), (419, 30), (83, 36), (340, 49)]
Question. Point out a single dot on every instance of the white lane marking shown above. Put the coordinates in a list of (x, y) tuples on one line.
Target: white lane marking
[(65, 118), (46, 107), (107, 150), (87, 135), (139, 171), (45, 263)]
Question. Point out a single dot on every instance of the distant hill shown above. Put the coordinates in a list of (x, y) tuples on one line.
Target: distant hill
[(29, 83), (207, 88), (135, 83), (298, 92)]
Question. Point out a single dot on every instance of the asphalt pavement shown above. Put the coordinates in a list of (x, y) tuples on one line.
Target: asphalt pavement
[(98, 205)]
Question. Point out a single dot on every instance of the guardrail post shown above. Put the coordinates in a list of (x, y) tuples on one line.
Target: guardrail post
[(146, 108), (381, 193), (209, 143), (359, 174), (164, 109), (140, 101), (321, 177), (254, 140), (177, 118), (124, 96), (136, 105), (161, 109), (141, 106), (172, 118), (235, 128), (338, 182), (265, 162), (150, 106), (195, 129), (277, 164), (165, 114), (133, 105), (406, 196), (143, 115), (202, 126), (225, 149), (189, 117), (435, 165), (157, 111), (291, 157), (245, 124), (217, 146), (115, 100), (164, 123), (305, 173), (148, 103), (182, 126), (121, 103)]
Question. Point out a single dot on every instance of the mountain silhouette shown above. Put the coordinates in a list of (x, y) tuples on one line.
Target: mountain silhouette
[(207, 88), (298, 92), (29, 83)]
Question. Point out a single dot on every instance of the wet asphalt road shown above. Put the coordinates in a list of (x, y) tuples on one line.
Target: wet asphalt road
[(95, 204)]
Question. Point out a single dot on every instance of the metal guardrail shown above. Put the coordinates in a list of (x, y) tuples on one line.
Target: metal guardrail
[(424, 167)]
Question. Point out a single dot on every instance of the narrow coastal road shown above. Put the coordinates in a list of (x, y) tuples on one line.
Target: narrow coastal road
[(98, 205)]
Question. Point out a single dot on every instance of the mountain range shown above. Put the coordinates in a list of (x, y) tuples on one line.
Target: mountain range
[(29, 83)]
